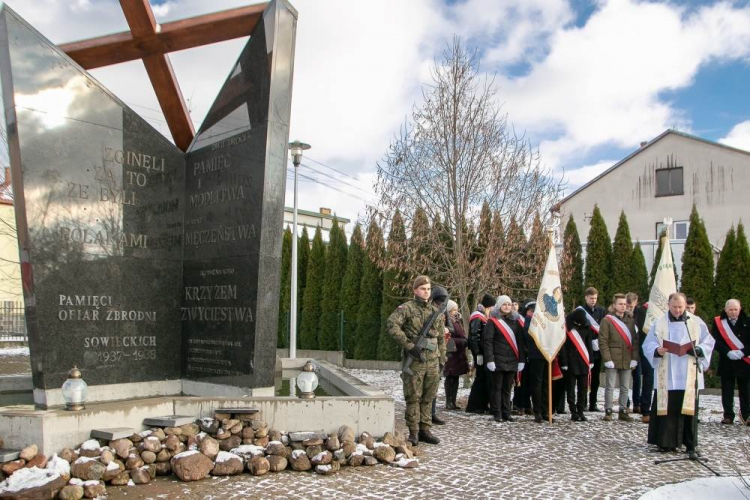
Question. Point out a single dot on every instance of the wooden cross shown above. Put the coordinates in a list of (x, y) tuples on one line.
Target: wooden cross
[(151, 42)]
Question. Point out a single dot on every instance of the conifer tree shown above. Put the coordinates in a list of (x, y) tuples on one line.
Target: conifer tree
[(741, 268), (724, 271), (419, 246), (350, 290), (309, 328), (513, 268), (698, 267), (622, 255), (571, 266), (303, 256), (657, 258), (330, 318), (285, 288), (536, 254), (395, 286), (599, 258), (639, 274), (370, 296)]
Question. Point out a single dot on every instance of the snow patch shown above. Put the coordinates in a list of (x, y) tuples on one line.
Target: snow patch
[(378, 444), (59, 465), (28, 478), (726, 488), (248, 449), (113, 466), (150, 438), (92, 482), (326, 468), (322, 454), (404, 462), (130, 483), (14, 351), (93, 445), (298, 453), (225, 456), (74, 481), (186, 454), (83, 460), (145, 433)]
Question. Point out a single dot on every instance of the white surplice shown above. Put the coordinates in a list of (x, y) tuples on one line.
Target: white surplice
[(678, 365)]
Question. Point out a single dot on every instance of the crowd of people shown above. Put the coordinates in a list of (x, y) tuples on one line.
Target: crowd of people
[(657, 369)]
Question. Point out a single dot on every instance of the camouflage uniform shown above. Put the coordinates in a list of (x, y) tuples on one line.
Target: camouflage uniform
[(420, 389)]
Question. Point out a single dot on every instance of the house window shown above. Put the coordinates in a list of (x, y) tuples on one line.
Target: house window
[(679, 230), (669, 182)]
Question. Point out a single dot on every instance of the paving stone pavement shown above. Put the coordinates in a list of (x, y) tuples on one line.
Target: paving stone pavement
[(479, 458)]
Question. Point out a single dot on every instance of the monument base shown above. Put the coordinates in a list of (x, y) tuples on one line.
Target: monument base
[(54, 429)]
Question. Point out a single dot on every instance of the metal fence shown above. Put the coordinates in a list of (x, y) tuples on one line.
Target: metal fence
[(12, 321)]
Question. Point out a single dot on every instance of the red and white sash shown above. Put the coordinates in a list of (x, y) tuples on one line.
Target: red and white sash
[(575, 337), (477, 315), (507, 332), (594, 323), (729, 337), (622, 329), (521, 321)]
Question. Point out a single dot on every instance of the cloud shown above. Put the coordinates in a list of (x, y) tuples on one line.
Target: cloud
[(601, 84), (739, 136)]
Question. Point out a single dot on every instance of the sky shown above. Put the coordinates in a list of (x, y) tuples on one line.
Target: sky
[(585, 81)]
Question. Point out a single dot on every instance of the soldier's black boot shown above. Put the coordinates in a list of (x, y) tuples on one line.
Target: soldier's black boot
[(428, 437), (436, 421), (413, 437)]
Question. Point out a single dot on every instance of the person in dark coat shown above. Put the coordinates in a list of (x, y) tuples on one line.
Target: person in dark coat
[(504, 350), (597, 313), (522, 393), (576, 362), (728, 328), (479, 397), (535, 375), (457, 363)]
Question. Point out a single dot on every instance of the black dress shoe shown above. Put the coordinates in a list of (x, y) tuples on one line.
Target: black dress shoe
[(428, 437), (582, 417), (497, 418), (437, 420), (575, 417), (508, 418), (538, 419)]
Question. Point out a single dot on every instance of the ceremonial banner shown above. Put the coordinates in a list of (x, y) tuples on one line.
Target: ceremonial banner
[(548, 323), (664, 286)]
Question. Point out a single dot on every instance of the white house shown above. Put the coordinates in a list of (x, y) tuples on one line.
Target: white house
[(663, 179)]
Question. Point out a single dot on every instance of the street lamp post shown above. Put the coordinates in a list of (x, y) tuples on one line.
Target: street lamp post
[(296, 147)]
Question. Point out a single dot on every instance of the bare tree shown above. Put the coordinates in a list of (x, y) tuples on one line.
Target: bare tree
[(455, 154)]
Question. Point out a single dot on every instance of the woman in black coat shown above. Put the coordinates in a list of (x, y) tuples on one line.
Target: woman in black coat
[(576, 360), (505, 355), (457, 363)]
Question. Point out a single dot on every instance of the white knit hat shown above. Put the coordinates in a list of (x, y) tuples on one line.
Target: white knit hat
[(452, 305), (502, 300)]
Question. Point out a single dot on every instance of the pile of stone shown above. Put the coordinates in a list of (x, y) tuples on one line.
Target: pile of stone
[(221, 446)]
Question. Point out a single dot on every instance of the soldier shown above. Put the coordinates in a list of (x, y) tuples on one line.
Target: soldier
[(420, 389)]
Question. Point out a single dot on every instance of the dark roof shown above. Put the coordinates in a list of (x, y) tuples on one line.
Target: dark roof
[(653, 141)]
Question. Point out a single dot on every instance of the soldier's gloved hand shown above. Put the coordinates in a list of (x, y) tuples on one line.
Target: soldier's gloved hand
[(491, 366), (609, 364), (595, 344), (563, 368), (591, 366), (521, 366), (480, 360), (633, 363), (735, 355), (415, 352)]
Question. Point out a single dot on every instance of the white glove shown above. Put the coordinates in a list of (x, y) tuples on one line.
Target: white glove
[(491, 366), (735, 355), (633, 363), (480, 360), (563, 368), (521, 366), (609, 364), (595, 344), (591, 366)]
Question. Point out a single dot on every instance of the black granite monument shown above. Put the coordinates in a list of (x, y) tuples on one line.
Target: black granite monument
[(143, 265)]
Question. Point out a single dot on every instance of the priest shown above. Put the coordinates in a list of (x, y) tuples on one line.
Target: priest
[(675, 399)]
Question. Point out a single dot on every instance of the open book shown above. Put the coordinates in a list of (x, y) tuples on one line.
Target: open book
[(677, 349)]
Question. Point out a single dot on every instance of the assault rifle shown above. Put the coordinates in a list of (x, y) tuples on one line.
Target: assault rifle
[(422, 340)]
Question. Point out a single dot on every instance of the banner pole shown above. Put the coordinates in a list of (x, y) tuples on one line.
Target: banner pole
[(549, 390)]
